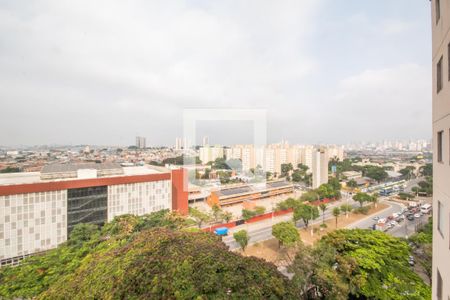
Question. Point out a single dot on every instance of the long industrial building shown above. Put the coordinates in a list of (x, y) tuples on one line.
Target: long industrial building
[(39, 209), (247, 192)]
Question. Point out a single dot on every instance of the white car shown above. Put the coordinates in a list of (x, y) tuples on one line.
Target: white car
[(382, 220), (417, 216)]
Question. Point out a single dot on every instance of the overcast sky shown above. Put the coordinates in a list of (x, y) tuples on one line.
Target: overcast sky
[(102, 72)]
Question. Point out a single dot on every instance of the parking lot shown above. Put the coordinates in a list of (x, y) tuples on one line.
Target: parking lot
[(398, 220)]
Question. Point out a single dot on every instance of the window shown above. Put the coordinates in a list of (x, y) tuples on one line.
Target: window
[(439, 75), (438, 10), (439, 146), (440, 218), (439, 286)]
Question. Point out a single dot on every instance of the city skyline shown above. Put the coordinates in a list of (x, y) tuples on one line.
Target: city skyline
[(329, 74)]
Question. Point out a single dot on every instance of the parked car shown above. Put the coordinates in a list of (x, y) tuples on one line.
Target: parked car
[(425, 209), (222, 231), (382, 220), (410, 217), (417, 215), (376, 218)]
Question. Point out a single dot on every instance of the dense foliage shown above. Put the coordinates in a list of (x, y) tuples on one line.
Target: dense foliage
[(158, 256), (165, 264), (149, 257), (380, 268), (422, 243), (38, 272)]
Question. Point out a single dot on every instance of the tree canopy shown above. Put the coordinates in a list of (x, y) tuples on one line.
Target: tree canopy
[(306, 213), (380, 268), (143, 258), (286, 233)]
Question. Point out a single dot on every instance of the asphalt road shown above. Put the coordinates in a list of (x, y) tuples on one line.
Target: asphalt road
[(412, 183), (367, 222), (403, 229), (265, 233)]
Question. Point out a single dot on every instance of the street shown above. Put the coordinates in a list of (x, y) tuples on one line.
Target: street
[(262, 231)]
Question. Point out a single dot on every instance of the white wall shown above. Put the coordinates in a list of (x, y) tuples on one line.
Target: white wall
[(32, 222), (139, 198)]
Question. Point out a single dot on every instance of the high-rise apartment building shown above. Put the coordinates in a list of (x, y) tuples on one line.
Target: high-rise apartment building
[(440, 11), (178, 143), (140, 142), (319, 168), (210, 153), (205, 141)]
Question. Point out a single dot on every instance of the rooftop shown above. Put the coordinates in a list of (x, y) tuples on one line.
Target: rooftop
[(59, 172)]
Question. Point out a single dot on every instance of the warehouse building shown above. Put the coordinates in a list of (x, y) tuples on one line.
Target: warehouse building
[(241, 193)]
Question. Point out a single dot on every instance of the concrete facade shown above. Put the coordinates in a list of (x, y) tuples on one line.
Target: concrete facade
[(37, 215), (31, 223), (440, 10)]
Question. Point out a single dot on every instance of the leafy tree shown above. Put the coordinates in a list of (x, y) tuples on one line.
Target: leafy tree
[(10, 170), (346, 208), (319, 271), (259, 210), (163, 264), (426, 186), (241, 238), (407, 172), (297, 176), (227, 216), (423, 248), (82, 233), (220, 164), (199, 216), (362, 198), (310, 196), (306, 213), (216, 211), (378, 266), (336, 214), (376, 173), (300, 174), (285, 168), (352, 184), (288, 203), (335, 184), (323, 208), (426, 170), (375, 199), (248, 214), (286, 233), (37, 273)]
